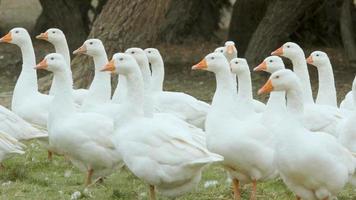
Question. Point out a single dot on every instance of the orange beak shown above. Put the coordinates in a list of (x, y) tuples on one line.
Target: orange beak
[(81, 50), (310, 60), (278, 52), (230, 49), (7, 38), (42, 36), (261, 67), (267, 88), (42, 65), (201, 65), (109, 67)]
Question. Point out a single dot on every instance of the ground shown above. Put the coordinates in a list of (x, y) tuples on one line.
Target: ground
[(32, 177)]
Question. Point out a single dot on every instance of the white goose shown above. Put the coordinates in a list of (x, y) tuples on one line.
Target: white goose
[(8, 147), (319, 117), (326, 92), (276, 104), (57, 38), (239, 67), (180, 104), (315, 166), (100, 88), (347, 105), (227, 134), (156, 150), (84, 137)]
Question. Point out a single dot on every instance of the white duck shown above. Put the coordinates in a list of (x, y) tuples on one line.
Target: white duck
[(296, 54), (226, 134), (276, 104), (157, 151), (315, 166), (8, 147), (239, 67), (183, 105), (100, 88), (326, 92), (57, 38), (85, 138)]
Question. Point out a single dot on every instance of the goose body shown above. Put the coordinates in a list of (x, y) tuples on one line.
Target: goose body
[(85, 138), (296, 147), (9, 146), (227, 134), (57, 38), (156, 150)]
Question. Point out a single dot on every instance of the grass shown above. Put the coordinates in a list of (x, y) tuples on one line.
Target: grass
[(33, 177)]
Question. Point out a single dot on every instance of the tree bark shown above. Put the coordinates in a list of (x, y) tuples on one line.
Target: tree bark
[(142, 23), (246, 16), (71, 16), (347, 32), (280, 20)]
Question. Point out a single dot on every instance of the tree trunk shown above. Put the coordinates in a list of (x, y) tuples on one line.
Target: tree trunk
[(280, 20), (246, 16), (347, 32), (71, 16), (142, 23)]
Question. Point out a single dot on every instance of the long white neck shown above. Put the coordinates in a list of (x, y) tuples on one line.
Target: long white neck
[(61, 47), (100, 88), (134, 100), (120, 91), (326, 92), (300, 68), (276, 102), (157, 67), (244, 86), (146, 75), (225, 94), (63, 103), (27, 81), (295, 103)]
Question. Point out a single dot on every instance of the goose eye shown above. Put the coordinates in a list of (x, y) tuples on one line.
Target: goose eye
[(121, 59), (53, 31), (212, 58), (277, 76), (132, 52), (317, 55), (288, 46), (271, 61), (149, 51), (236, 62), (52, 58), (90, 43), (16, 31), (221, 51)]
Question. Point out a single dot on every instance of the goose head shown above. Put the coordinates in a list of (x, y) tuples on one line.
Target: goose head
[(290, 50), (281, 80), (53, 62), (153, 55), (16, 36), (219, 50), (239, 66), (91, 47), (139, 55), (121, 63), (214, 62), (270, 64), (52, 35), (318, 59), (230, 50)]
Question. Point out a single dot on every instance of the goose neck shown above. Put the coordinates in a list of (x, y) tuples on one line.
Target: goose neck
[(120, 91), (134, 100), (326, 91), (225, 93), (61, 47), (301, 70), (295, 103), (244, 86), (146, 75), (157, 67)]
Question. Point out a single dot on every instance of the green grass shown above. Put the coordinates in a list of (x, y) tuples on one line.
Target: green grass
[(32, 177)]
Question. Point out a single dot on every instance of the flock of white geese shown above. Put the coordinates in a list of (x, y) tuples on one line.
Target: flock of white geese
[(167, 138)]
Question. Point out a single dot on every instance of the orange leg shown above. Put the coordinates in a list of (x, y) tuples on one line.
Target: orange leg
[(89, 175), (236, 188), (152, 192), (50, 155), (254, 189)]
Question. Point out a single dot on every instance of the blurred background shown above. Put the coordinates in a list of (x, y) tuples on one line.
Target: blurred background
[(184, 31)]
